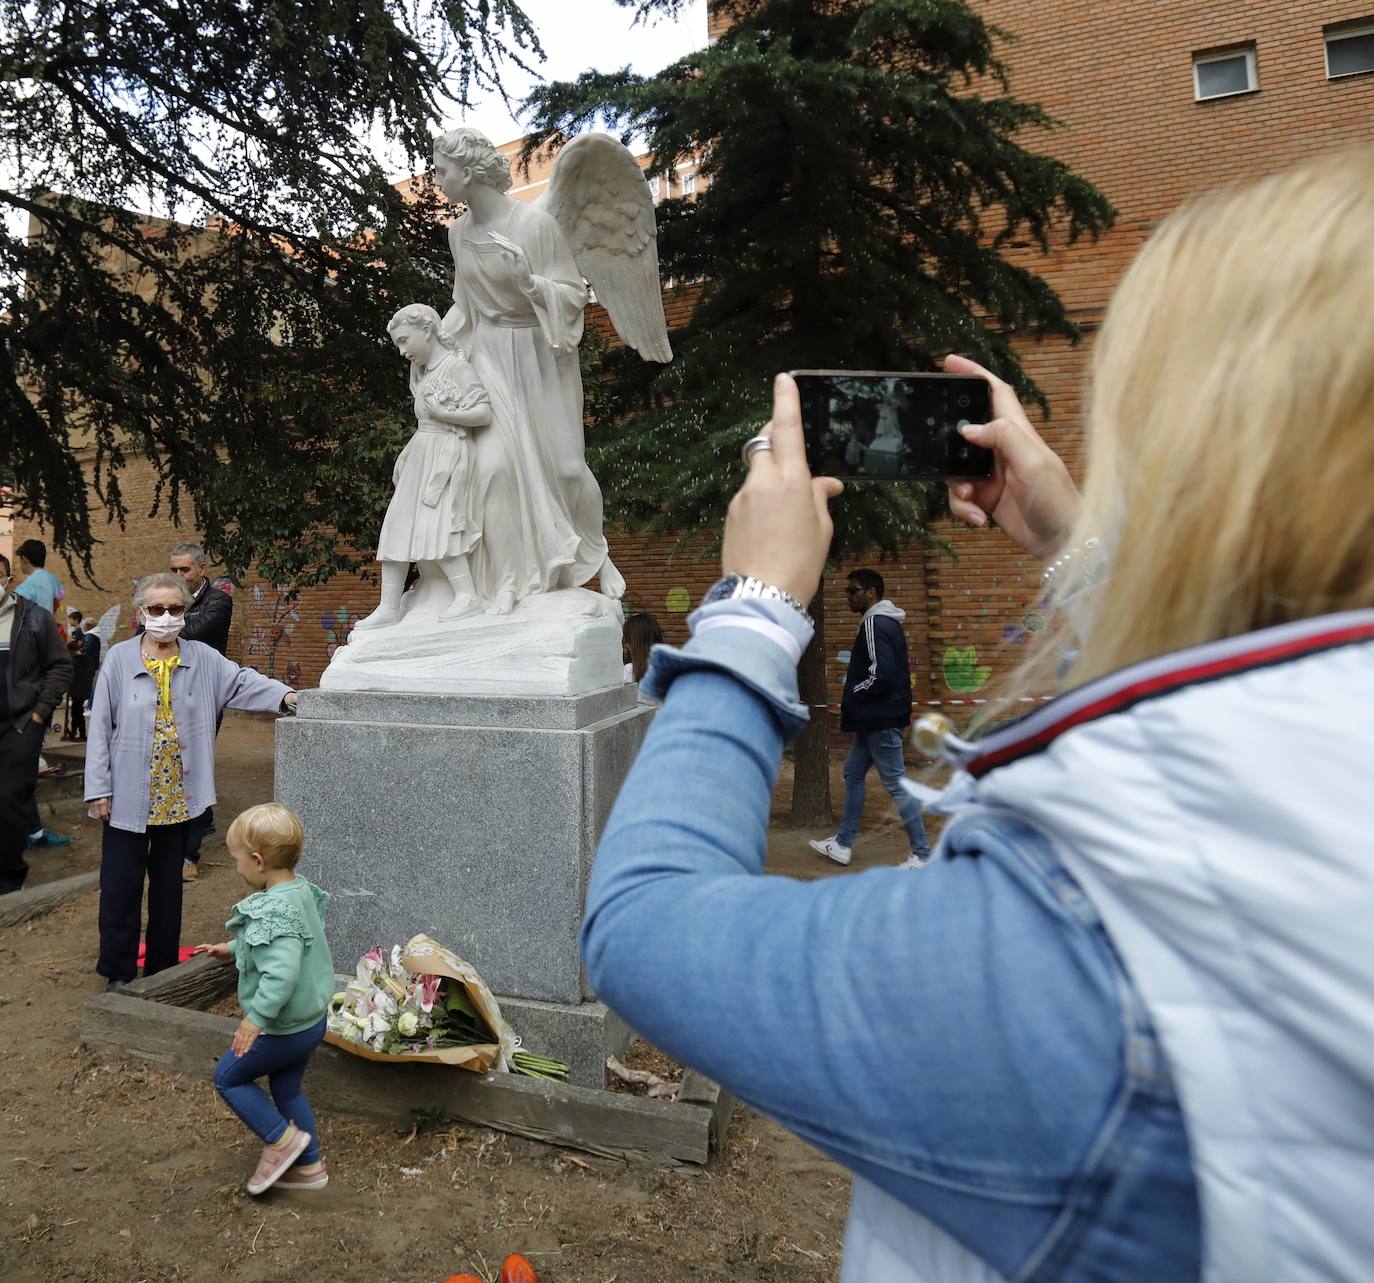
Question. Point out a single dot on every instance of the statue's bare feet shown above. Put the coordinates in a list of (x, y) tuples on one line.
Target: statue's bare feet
[(382, 617), (502, 604), (462, 604), (612, 581)]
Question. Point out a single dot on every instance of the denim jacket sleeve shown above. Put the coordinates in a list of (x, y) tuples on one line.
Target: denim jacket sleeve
[(757, 642), (819, 1002)]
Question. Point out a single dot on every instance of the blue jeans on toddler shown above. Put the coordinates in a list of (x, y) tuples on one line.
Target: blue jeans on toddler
[(282, 1059), (882, 749)]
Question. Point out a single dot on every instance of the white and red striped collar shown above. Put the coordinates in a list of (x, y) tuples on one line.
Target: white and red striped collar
[(1167, 673)]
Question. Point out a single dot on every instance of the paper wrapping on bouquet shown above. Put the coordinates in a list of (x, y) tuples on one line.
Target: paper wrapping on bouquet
[(423, 956)]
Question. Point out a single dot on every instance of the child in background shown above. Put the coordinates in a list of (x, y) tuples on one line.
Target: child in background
[(639, 636), (286, 978)]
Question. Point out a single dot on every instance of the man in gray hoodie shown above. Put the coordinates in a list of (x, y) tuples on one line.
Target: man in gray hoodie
[(876, 708)]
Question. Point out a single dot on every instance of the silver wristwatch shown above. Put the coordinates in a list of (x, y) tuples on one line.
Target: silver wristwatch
[(733, 586)]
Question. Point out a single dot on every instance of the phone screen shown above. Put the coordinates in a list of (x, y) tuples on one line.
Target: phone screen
[(872, 426)]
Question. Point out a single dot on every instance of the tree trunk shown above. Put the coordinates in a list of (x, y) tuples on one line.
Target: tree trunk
[(811, 767)]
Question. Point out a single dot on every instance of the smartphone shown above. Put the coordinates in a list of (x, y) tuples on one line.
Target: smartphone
[(874, 425)]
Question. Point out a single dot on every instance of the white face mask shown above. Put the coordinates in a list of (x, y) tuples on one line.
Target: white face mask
[(163, 627)]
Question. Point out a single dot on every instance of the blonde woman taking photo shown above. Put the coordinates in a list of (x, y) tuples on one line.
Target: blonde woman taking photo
[(1122, 1030)]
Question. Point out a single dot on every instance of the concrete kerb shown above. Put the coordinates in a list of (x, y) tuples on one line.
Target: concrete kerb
[(162, 1020)]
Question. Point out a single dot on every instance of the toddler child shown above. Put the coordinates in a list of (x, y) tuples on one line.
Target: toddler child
[(286, 978)]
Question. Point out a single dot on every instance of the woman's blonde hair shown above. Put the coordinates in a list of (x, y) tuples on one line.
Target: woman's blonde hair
[(272, 831), (1230, 465)]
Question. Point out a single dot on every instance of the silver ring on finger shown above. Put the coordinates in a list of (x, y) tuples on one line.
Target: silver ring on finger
[(754, 445)]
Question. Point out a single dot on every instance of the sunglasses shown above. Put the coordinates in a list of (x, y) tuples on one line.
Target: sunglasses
[(158, 611)]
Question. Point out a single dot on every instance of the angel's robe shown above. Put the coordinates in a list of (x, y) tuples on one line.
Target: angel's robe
[(523, 345)]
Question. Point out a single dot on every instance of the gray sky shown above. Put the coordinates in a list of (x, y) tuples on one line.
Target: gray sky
[(578, 36)]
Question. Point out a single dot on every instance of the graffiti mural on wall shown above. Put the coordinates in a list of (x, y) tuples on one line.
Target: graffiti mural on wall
[(272, 615), (963, 673), (337, 624)]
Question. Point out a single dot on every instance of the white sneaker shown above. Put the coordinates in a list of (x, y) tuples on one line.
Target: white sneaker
[(914, 861), (832, 850)]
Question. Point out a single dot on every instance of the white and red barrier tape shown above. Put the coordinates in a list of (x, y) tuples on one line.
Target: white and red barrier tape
[(940, 703)]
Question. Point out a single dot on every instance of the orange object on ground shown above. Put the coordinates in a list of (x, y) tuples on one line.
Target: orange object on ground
[(462, 1278), (515, 1269)]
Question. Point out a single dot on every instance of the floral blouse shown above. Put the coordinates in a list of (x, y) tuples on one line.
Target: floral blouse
[(167, 798)]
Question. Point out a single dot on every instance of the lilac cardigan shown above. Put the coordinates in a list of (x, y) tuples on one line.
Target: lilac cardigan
[(119, 750)]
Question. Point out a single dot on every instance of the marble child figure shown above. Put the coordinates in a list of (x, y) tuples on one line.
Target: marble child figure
[(436, 515)]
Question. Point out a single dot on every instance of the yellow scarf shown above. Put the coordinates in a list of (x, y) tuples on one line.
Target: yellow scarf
[(161, 669)]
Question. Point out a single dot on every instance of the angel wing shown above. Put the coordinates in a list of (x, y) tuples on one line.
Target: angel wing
[(105, 629), (600, 200)]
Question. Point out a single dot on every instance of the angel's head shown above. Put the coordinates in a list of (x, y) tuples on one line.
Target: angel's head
[(418, 333), (464, 156)]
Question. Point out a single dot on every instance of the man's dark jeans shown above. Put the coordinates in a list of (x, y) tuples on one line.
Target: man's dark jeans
[(19, 753)]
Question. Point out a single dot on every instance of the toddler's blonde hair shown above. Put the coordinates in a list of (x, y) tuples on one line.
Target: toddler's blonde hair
[(272, 831)]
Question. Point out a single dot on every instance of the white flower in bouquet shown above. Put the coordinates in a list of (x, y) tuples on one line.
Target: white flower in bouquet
[(408, 1024)]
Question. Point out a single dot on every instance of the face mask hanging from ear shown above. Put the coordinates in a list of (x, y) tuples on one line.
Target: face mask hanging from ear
[(163, 627)]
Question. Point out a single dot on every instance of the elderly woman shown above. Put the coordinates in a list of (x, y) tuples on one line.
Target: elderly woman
[(150, 768)]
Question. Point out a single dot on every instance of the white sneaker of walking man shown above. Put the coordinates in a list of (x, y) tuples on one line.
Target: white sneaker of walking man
[(876, 709)]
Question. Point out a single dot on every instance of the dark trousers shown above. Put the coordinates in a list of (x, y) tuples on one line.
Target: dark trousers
[(126, 860), (19, 751), (76, 710), (200, 827)]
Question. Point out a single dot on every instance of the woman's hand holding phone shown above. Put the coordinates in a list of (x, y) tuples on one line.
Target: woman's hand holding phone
[(1030, 493), (778, 526)]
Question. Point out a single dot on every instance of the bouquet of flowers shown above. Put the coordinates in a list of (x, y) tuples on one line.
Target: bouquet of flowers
[(423, 1003)]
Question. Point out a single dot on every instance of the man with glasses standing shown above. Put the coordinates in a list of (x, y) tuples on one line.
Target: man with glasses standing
[(207, 620), (35, 671), (876, 708)]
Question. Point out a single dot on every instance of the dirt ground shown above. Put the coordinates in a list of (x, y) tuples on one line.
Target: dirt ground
[(113, 1172)]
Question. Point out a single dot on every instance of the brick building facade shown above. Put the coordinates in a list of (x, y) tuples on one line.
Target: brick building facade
[(1126, 83)]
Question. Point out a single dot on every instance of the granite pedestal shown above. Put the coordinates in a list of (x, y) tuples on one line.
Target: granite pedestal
[(473, 819)]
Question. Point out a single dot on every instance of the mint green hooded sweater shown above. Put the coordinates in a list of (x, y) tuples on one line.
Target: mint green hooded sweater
[(286, 976)]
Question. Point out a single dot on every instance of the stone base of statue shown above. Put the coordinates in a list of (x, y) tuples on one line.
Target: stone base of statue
[(474, 819), (562, 643)]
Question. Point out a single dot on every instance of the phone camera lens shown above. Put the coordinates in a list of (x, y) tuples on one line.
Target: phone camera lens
[(963, 402)]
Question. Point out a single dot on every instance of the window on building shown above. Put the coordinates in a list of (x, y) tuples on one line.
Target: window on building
[(1221, 74), (654, 186), (1349, 49), (689, 184)]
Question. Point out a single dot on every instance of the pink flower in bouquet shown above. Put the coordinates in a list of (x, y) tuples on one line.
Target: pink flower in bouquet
[(429, 992)]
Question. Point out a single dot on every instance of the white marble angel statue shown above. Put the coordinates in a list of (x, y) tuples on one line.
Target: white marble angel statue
[(451, 506), (519, 290)]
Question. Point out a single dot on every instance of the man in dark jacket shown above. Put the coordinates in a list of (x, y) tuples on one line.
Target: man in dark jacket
[(35, 672), (211, 611), (876, 707), (207, 620)]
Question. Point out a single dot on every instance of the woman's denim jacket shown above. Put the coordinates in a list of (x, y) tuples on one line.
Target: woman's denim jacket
[(963, 1037), (119, 748)]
